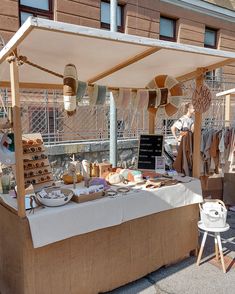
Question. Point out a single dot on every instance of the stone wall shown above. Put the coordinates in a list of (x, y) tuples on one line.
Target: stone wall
[(60, 155)]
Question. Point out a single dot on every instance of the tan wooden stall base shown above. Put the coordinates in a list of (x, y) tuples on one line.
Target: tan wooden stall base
[(94, 262)]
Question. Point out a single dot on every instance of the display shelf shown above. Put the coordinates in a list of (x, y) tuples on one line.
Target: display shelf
[(41, 175), (34, 165), (26, 159), (36, 168), (33, 152), (33, 145)]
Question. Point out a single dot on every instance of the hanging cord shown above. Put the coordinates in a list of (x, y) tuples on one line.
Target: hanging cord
[(23, 59)]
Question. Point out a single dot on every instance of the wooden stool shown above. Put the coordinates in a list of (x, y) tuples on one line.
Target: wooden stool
[(216, 232)]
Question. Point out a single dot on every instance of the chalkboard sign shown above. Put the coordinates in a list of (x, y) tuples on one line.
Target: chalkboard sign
[(149, 147)]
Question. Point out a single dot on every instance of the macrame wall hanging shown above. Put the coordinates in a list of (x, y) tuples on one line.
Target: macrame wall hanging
[(202, 98)]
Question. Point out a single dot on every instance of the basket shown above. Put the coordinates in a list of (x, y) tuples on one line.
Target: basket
[(213, 213)]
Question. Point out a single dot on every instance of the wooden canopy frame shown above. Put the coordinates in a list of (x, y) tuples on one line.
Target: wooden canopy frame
[(147, 48)]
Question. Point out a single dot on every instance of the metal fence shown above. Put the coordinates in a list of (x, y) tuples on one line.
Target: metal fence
[(42, 111)]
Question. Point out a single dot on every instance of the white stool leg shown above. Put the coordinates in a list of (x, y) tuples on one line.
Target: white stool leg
[(221, 252), (202, 247), (216, 248)]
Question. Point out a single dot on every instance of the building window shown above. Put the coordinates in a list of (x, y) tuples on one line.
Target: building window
[(210, 39), (40, 8), (167, 29), (214, 78), (105, 16)]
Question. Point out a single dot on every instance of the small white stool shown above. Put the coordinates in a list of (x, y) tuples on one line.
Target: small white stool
[(217, 232)]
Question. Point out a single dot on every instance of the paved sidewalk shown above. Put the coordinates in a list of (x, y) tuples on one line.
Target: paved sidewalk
[(187, 278)]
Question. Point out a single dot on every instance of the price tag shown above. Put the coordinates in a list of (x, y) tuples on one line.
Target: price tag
[(160, 164)]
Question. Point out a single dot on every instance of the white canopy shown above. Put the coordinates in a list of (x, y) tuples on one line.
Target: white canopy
[(111, 59)]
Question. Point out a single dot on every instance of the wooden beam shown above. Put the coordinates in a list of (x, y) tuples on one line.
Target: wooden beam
[(194, 74), (227, 110), (17, 38), (197, 129), (220, 64), (33, 86), (124, 64), (14, 76)]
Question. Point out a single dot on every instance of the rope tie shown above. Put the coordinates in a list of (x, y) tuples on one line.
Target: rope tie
[(11, 58)]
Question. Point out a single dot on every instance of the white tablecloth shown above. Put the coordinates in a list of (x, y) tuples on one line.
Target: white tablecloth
[(49, 225)]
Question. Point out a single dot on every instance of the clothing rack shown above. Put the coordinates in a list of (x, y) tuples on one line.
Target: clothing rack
[(218, 124)]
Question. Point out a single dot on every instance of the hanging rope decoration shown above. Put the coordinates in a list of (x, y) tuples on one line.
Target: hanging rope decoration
[(167, 94)]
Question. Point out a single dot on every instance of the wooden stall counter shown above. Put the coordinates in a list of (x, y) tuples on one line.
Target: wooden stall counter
[(99, 260)]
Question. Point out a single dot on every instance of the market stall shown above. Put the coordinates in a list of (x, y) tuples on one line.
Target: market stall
[(102, 244)]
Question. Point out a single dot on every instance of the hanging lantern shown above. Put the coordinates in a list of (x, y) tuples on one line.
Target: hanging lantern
[(70, 84)]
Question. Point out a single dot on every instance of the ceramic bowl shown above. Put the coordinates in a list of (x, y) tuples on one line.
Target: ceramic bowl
[(68, 194)]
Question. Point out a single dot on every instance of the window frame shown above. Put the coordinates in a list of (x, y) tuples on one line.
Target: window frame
[(216, 38), (165, 38), (105, 25), (36, 11)]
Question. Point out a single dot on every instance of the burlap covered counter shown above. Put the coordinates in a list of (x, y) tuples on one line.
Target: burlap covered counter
[(97, 261)]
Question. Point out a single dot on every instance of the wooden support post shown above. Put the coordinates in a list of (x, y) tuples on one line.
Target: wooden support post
[(227, 110), (19, 170), (152, 117), (197, 130)]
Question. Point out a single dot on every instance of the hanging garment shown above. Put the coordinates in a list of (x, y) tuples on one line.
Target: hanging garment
[(214, 152), (142, 98), (124, 98), (184, 162), (81, 90), (222, 148), (230, 164), (97, 94)]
